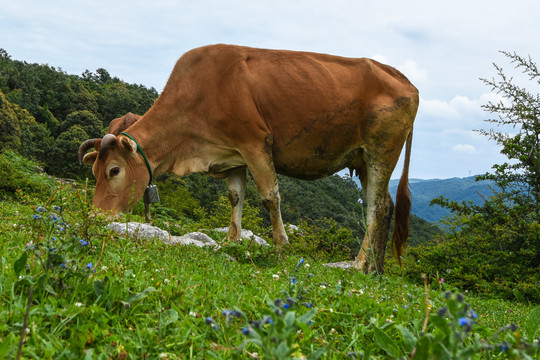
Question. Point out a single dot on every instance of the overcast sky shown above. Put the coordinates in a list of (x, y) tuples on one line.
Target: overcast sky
[(444, 47)]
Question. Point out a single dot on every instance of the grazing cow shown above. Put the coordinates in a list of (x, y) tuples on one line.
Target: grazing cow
[(300, 114)]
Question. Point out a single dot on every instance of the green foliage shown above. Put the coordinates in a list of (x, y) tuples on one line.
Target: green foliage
[(21, 176), (327, 243), (58, 101)]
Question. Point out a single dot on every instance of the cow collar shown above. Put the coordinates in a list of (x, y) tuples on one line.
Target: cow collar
[(144, 156)]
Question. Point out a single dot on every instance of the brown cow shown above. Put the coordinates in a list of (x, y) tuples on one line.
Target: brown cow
[(304, 115)]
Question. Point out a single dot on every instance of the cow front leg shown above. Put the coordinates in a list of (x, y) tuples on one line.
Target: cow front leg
[(237, 192), (264, 174)]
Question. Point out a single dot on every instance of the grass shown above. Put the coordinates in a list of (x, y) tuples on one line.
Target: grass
[(71, 289)]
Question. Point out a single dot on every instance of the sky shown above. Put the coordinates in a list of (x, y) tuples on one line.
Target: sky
[(443, 47)]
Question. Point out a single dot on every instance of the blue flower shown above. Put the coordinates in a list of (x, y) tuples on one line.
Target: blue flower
[(293, 280), (83, 242), (89, 266), (37, 217), (505, 346), (245, 331), (56, 208), (286, 306), (300, 262), (41, 209), (310, 275), (463, 321), (62, 265)]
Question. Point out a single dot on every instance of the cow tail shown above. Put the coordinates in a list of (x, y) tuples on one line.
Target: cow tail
[(403, 206)]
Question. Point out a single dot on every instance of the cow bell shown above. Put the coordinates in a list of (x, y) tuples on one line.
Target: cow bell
[(151, 195)]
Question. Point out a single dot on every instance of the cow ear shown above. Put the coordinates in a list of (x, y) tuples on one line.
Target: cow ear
[(90, 158), (129, 144)]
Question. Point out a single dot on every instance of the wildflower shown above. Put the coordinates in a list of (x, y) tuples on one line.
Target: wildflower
[(89, 265), (308, 305), (37, 217), (290, 301), (463, 321), (505, 346), (293, 280), (286, 306), (208, 320), (300, 262), (360, 201), (256, 324), (78, 304), (267, 319), (472, 314), (310, 275), (442, 311), (441, 281), (192, 313), (275, 276), (40, 209), (307, 265), (83, 242), (56, 208), (323, 287), (310, 322), (245, 331)]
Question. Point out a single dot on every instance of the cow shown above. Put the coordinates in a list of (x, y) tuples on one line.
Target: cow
[(306, 115)]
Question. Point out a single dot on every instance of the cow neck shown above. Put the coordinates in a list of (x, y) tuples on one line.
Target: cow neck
[(143, 155)]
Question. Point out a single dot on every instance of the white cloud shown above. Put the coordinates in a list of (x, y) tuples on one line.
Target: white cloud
[(464, 148)]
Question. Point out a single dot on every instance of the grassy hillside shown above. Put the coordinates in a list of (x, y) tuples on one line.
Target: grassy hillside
[(71, 289)]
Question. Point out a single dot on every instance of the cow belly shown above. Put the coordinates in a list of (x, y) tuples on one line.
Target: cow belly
[(317, 163)]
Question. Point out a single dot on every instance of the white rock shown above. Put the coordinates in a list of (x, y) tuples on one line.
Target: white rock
[(246, 234)]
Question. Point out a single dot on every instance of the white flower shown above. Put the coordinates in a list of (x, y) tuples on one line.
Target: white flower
[(275, 276), (78, 304), (307, 265), (166, 281), (104, 268), (192, 313), (323, 287)]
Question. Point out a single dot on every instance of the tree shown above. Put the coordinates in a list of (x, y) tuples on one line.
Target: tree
[(520, 177), (495, 247)]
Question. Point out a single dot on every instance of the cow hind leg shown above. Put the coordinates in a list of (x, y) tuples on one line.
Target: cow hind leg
[(237, 192), (378, 218)]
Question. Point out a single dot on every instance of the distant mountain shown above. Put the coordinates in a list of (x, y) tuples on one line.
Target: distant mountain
[(455, 189)]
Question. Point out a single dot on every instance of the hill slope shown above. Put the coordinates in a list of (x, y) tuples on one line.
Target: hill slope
[(456, 189)]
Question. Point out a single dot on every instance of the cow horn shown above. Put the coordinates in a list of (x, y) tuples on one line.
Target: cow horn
[(84, 147), (108, 141)]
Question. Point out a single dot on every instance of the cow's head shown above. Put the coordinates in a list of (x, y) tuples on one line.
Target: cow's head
[(121, 173)]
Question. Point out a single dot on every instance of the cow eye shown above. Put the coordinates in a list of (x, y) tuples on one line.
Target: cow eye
[(114, 171)]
